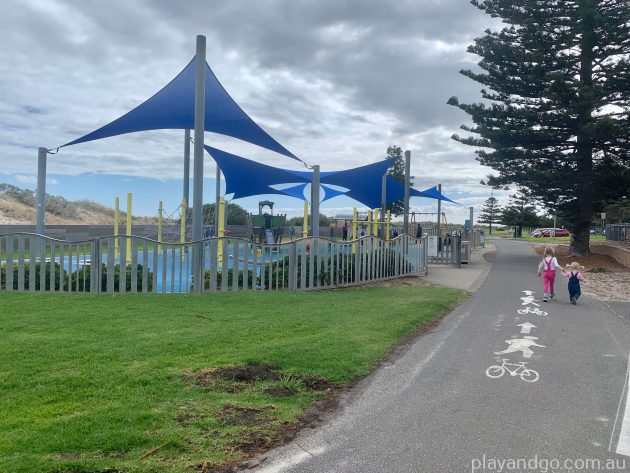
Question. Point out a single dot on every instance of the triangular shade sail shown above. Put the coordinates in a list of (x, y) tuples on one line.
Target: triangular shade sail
[(298, 192), (246, 178), (295, 191), (433, 193), (173, 107)]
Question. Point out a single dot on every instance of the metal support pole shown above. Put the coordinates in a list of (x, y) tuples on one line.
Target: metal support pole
[(186, 195), (439, 215), (116, 221), (383, 201), (315, 202), (407, 184), (128, 228), (41, 191), (160, 224), (217, 199), (200, 113)]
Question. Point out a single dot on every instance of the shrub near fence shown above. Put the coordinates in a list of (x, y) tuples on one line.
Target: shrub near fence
[(225, 264), (77, 281)]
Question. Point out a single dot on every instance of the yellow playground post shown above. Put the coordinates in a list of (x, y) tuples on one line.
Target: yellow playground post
[(160, 223), (128, 227), (354, 224), (221, 232), (369, 225), (389, 219), (182, 222), (375, 230), (305, 222), (116, 220)]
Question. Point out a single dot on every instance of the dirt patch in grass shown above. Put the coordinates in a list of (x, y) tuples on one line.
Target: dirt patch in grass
[(280, 392), (411, 281), (68, 456), (249, 373), (238, 378), (236, 415), (315, 383)]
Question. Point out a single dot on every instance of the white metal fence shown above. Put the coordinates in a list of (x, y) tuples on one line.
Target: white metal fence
[(30, 262)]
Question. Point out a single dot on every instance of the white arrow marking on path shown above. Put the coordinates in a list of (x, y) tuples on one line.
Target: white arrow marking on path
[(526, 327), (528, 293)]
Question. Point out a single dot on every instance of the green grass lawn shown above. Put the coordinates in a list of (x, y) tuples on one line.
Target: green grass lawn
[(551, 240), (91, 383)]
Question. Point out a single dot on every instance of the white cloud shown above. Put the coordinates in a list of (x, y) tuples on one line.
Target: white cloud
[(28, 180), (336, 84)]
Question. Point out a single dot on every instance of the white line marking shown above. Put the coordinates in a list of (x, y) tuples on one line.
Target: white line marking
[(526, 327), (623, 444)]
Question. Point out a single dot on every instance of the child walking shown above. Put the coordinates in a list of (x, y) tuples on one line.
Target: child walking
[(547, 268), (575, 276)]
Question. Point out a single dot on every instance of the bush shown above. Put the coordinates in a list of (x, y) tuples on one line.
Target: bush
[(27, 270), (80, 278)]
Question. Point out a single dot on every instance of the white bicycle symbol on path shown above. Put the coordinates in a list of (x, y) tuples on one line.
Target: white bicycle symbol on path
[(528, 375), (535, 311)]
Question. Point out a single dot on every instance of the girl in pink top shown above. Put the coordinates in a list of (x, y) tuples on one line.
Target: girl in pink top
[(547, 268)]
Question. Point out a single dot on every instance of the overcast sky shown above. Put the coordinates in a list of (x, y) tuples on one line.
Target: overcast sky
[(334, 81)]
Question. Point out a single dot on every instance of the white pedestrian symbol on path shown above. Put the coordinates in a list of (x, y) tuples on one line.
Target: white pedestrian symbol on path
[(522, 345), (528, 293), (529, 300)]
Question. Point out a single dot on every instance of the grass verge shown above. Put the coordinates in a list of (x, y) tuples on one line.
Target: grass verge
[(138, 383)]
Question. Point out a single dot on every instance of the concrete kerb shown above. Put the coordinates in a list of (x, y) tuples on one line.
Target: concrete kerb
[(470, 277)]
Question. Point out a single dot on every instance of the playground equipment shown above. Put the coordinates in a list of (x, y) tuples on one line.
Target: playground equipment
[(305, 221), (267, 226), (369, 222)]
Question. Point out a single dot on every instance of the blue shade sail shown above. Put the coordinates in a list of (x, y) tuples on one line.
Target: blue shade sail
[(298, 192), (246, 178), (329, 193), (433, 193), (173, 107)]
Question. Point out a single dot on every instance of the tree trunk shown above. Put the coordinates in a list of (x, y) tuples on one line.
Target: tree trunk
[(580, 242)]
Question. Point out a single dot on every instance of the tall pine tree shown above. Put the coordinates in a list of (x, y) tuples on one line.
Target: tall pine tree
[(397, 171), (490, 212), (557, 89)]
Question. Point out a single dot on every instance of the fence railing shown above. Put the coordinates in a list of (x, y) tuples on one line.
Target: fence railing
[(119, 264), (618, 232), (448, 251)]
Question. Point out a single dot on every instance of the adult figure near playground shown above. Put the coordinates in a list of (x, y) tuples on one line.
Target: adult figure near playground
[(419, 231), (344, 231), (292, 231)]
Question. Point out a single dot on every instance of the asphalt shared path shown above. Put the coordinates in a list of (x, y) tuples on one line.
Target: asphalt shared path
[(504, 383)]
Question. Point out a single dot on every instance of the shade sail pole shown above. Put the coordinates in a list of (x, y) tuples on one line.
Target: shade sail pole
[(200, 113), (315, 202), (186, 195), (217, 199), (383, 203), (41, 191), (407, 184), (438, 231)]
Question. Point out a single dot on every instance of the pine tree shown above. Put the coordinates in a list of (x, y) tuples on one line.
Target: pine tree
[(491, 212), (558, 81), (397, 172), (520, 212)]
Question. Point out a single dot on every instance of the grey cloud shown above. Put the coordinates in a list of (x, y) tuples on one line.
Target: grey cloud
[(334, 81)]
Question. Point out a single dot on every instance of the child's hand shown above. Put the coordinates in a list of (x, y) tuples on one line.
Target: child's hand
[(538, 273)]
